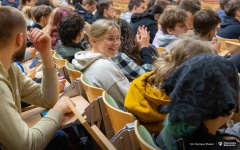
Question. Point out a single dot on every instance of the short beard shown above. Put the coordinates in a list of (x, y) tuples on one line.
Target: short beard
[(20, 54)]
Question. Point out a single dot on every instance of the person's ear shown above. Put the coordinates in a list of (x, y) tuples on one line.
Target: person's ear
[(169, 31), (93, 41), (134, 8), (81, 34), (87, 6), (42, 19), (211, 34), (105, 11), (156, 17), (238, 13), (19, 39)]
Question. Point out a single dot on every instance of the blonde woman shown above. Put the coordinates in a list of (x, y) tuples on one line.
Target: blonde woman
[(97, 64), (144, 95)]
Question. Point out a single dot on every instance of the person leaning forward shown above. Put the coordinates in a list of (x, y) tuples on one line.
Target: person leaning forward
[(15, 86)]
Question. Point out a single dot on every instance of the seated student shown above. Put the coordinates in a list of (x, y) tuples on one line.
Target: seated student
[(41, 15), (174, 23), (86, 9), (149, 19), (97, 66), (105, 10), (221, 12), (191, 8), (133, 57), (70, 31), (11, 3), (60, 13), (15, 86), (144, 96), (203, 99), (230, 25), (134, 6), (205, 25)]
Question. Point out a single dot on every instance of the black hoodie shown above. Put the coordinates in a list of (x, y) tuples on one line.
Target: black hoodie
[(146, 19), (230, 28)]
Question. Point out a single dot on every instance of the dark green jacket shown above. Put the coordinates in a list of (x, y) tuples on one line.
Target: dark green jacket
[(68, 51)]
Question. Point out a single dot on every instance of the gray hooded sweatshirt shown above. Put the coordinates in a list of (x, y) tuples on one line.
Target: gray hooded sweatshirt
[(164, 40), (103, 73)]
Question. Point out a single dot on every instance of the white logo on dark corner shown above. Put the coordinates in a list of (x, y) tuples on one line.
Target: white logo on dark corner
[(220, 143)]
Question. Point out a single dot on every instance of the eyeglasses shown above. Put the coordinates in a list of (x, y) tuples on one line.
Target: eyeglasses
[(112, 39)]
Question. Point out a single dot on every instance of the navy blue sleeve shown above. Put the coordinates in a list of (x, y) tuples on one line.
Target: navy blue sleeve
[(153, 30), (146, 55)]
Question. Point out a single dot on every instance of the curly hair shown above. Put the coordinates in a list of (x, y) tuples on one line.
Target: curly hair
[(128, 44), (69, 27), (53, 29), (179, 52)]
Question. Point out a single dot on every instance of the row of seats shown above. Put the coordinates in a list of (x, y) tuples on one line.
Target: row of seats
[(119, 122)]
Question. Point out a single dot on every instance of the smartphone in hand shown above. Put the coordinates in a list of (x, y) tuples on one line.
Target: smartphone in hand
[(35, 60)]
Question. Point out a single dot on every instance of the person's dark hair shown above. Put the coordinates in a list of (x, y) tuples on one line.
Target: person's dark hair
[(155, 9), (204, 21), (150, 3), (162, 3), (12, 21), (232, 7), (89, 2), (133, 3), (103, 5), (24, 2), (196, 1), (69, 27), (42, 2), (223, 3), (39, 11), (57, 17), (189, 6), (170, 17), (128, 44)]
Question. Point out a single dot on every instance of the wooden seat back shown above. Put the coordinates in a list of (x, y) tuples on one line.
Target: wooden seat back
[(59, 60), (92, 92), (117, 117), (72, 73), (223, 40), (144, 144)]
